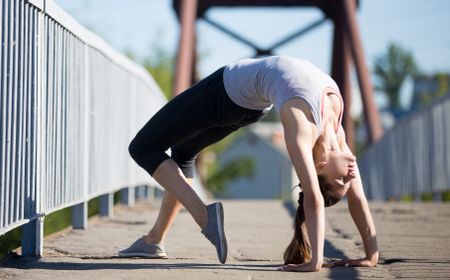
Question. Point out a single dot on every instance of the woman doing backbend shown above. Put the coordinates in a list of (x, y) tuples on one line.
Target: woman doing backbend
[(310, 108)]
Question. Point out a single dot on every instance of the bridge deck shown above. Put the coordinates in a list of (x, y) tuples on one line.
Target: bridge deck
[(414, 241)]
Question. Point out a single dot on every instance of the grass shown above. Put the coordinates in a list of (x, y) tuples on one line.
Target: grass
[(407, 198), (446, 196), (10, 241), (426, 197)]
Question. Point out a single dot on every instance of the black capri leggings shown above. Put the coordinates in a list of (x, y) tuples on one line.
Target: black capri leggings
[(193, 120)]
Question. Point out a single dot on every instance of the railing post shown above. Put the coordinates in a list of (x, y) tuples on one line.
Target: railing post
[(417, 197), (33, 237), (33, 231), (150, 193), (80, 216), (80, 211), (140, 192), (437, 197), (107, 205), (127, 196)]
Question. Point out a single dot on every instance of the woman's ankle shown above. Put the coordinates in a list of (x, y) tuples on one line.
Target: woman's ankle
[(152, 238)]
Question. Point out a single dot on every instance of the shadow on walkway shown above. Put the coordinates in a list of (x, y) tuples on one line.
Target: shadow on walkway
[(22, 264), (331, 252)]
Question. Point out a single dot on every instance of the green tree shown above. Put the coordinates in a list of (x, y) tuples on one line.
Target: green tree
[(236, 168), (391, 70), (160, 66), (442, 81)]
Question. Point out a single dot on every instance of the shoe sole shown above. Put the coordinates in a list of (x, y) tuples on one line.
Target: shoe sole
[(222, 238), (143, 255)]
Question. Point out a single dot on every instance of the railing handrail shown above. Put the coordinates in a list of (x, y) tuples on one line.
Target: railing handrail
[(56, 134), (410, 158), (50, 8), (410, 118)]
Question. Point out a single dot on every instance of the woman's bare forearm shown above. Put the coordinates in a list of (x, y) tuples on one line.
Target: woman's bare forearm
[(360, 212), (315, 224), (361, 216)]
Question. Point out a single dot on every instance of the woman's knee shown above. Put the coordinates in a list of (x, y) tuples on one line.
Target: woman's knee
[(185, 160), (135, 149), (147, 157)]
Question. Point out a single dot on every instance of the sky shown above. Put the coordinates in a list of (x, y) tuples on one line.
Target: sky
[(138, 25)]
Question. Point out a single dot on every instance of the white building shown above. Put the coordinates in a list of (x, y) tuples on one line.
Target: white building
[(273, 176)]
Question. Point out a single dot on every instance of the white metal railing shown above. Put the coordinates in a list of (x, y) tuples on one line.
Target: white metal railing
[(412, 158), (70, 105)]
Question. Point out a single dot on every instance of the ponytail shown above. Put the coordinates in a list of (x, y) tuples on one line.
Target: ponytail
[(299, 250)]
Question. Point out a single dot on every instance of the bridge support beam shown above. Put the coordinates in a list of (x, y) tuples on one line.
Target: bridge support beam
[(185, 69), (372, 118), (340, 71), (347, 47)]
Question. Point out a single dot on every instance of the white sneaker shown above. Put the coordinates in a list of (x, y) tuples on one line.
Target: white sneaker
[(214, 230), (141, 249)]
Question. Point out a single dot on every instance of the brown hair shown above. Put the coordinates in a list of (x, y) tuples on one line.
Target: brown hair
[(299, 250)]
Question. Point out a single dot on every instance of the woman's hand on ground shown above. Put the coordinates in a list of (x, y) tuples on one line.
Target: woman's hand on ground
[(352, 263), (303, 267), (308, 267)]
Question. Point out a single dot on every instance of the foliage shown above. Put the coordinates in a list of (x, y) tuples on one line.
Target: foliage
[(427, 197), (161, 69), (225, 143), (407, 198), (391, 70), (446, 196), (443, 87), (160, 64), (206, 162), (236, 168)]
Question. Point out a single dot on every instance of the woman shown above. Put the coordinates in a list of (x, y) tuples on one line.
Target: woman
[(310, 109)]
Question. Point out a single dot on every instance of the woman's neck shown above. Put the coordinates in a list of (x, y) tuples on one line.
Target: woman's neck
[(328, 139), (326, 143), (332, 109)]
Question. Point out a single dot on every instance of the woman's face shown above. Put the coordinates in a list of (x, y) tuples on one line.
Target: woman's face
[(339, 167)]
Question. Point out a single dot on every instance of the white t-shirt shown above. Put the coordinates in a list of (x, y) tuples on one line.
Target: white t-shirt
[(258, 83)]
